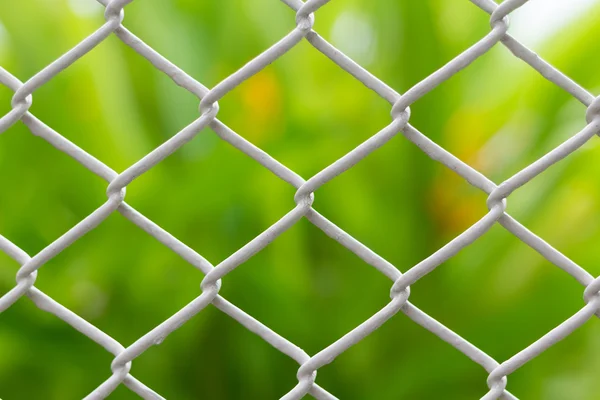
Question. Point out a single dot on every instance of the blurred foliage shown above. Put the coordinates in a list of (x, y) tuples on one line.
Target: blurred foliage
[(497, 115)]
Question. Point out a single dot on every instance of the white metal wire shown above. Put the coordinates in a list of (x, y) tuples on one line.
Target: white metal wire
[(210, 285)]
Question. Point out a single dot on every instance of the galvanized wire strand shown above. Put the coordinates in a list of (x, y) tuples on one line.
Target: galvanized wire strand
[(304, 198)]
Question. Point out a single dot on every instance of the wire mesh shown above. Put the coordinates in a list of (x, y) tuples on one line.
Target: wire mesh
[(305, 189)]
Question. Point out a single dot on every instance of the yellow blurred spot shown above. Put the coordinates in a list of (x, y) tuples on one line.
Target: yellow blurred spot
[(465, 133), (261, 107)]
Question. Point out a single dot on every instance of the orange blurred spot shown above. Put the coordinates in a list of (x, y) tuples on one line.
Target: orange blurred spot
[(454, 207)]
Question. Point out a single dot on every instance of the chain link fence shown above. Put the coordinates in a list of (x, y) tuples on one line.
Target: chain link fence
[(211, 284)]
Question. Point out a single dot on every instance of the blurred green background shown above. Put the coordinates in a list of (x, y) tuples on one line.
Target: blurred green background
[(498, 115)]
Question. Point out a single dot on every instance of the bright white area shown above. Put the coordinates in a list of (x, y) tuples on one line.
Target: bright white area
[(539, 19), (3, 37), (354, 35), (85, 8)]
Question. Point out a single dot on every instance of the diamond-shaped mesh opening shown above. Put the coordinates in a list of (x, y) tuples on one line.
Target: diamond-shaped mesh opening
[(320, 279), (288, 118), (230, 196), (107, 285), (251, 364), (406, 369), (512, 283), (116, 81)]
